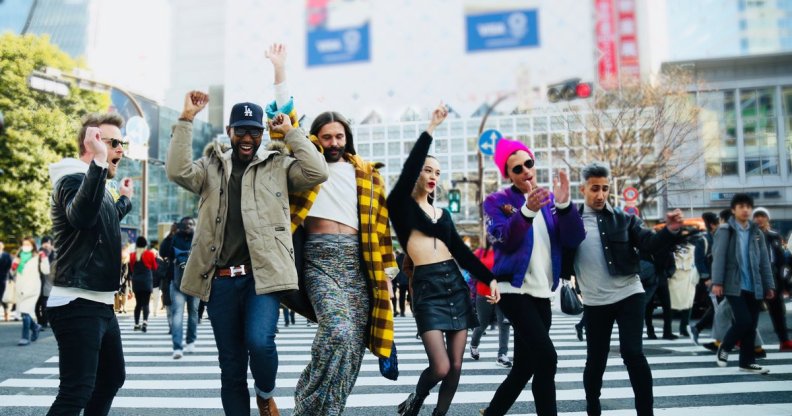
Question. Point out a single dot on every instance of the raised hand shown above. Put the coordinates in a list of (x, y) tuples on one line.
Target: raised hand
[(280, 124), (94, 144), (126, 188), (674, 220), (438, 115), (561, 187), (537, 199), (194, 102), (277, 55)]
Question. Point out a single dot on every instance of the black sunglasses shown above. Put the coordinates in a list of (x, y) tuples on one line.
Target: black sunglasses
[(254, 132), (519, 168), (114, 143)]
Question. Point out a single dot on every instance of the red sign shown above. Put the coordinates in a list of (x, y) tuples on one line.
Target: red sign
[(630, 194), (629, 66), (605, 27), (632, 210)]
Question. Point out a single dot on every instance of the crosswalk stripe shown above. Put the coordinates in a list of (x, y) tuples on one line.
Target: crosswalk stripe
[(689, 370)]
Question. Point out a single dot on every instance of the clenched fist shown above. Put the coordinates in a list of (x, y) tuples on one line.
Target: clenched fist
[(194, 102)]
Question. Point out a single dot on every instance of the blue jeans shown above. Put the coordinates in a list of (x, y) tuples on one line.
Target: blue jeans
[(178, 299), (27, 326), (244, 326)]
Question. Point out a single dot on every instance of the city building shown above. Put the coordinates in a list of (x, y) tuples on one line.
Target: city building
[(745, 135), (66, 22)]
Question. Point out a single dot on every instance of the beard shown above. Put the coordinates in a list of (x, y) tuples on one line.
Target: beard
[(333, 158), (244, 158)]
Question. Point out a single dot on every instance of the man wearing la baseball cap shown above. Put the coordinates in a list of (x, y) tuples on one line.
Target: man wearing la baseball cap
[(242, 259), (529, 226)]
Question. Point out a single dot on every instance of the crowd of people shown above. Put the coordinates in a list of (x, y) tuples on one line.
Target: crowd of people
[(304, 214)]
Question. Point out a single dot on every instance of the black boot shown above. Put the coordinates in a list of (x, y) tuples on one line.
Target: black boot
[(412, 406), (438, 413)]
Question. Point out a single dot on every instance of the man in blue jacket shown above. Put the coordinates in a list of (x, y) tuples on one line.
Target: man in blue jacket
[(606, 266), (741, 271)]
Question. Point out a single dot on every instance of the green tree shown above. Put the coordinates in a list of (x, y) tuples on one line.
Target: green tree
[(41, 128)]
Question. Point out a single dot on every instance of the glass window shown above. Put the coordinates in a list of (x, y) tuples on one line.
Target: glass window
[(760, 138), (541, 141), (394, 132), (458, 162), (363, 149), (408, 145), (786, 99), (543, 176), (378, 134), (472, 161), (540, 124), (557, 123), (523, 125), (441, 146), (718, 128), (576, 139), (394, 148), (472, 144), (394, 162), (458, 145), (541, 157), (378, 150), (558, 140)]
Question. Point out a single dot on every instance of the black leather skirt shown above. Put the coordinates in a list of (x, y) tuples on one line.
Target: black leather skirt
[(441, 298)]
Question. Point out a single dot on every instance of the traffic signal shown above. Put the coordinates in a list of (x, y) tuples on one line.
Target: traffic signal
[(454, 201), (569, 90)]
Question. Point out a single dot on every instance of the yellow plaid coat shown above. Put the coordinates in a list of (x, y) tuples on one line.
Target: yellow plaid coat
[(374, 236)]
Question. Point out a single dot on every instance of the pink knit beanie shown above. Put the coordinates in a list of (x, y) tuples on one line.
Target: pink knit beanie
[(505, 148)]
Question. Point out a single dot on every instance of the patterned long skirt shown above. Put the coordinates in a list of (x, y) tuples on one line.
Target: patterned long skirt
[(339, 293)]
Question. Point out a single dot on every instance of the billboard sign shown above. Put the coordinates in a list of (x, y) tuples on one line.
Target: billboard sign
[(502, 30)]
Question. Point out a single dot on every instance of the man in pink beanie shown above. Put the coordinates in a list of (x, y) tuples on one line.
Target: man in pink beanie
[(529, 227)]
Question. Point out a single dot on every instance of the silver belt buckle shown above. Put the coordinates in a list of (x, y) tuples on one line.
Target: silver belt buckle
[(234, 270)]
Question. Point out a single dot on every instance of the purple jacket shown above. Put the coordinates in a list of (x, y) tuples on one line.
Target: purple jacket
[(512, 235)]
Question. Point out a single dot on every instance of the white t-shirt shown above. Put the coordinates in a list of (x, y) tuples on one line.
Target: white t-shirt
[(337, 198)]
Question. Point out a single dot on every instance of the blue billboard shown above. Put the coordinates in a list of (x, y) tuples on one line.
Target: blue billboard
[(502, 30), (329, 47)]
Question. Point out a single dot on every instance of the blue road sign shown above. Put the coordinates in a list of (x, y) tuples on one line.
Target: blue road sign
[(488, 140)]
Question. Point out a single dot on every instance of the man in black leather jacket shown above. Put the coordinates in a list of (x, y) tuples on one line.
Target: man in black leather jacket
[(606, 267), (86, 224)]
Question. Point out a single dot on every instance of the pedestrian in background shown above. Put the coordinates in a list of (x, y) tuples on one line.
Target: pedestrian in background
[(46, 282), (27, 268), (5, 268), (142, 265)]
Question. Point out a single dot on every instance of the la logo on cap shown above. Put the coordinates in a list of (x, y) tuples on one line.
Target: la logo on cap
[(248, 112)]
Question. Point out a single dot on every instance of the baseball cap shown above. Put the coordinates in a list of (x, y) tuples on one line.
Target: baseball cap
[(246, 114)]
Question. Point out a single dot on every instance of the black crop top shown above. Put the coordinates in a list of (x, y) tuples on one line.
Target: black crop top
[(406, 215)]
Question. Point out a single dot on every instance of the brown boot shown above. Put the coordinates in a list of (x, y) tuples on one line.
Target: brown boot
[(267, 406)]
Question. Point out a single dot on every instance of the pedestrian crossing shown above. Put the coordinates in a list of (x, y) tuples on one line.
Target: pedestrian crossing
[(686, 379)]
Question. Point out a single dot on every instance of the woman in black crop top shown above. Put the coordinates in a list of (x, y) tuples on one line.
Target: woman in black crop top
[(440, 298)]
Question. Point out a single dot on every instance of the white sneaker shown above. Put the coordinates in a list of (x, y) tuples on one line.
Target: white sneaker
[(722, 357), (753, 368), (504, 361), (189, 348), (177, 354)]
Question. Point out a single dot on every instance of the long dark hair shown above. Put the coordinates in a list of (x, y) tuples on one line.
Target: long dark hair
[(330, 117)]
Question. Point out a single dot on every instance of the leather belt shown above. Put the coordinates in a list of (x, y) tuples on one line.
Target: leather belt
[(233, 271)]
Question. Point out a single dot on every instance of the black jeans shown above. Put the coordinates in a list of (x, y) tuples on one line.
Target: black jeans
[(746, 317), (664, 296), (534, 354), (91, 361), (628, 314), (142, 299)]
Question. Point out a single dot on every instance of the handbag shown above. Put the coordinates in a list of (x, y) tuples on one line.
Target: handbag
[(389, 367), (9, 296), (570, 304)]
